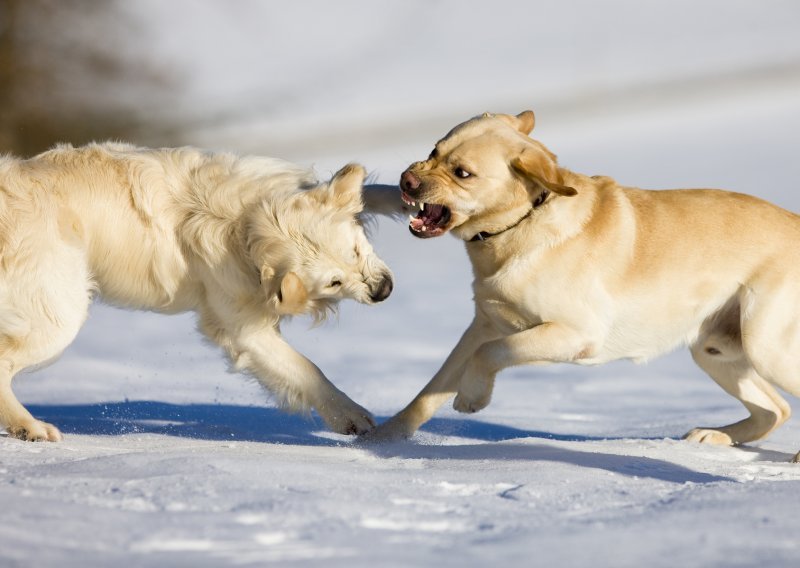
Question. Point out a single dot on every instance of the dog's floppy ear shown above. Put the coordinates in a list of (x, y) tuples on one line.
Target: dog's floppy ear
[(292, 295), (524, 121), (529, 168), (344, 190), (272, 257)]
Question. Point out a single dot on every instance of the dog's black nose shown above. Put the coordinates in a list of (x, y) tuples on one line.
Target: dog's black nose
[(409, 182), (383, 289)]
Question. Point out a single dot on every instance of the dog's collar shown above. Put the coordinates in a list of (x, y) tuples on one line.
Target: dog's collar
[(483, 235)]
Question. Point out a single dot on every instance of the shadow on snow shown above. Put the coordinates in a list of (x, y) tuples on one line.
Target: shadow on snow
[(245, 423), (271, 425)]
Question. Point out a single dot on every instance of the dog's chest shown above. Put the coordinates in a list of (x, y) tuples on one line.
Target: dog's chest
[(506, 317), (508, 304), (532, 289)]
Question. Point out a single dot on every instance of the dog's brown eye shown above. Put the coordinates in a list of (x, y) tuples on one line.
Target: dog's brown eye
[(461, 172), (335, 283)]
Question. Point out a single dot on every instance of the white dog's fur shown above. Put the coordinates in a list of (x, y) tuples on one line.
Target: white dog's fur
[(241, 241), (571, 268)]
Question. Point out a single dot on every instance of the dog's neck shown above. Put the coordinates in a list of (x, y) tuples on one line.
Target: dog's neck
[(484, 235)]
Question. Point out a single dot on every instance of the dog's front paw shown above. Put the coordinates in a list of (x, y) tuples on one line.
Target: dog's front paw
[(474, 393), (471, 403), (708, 436), (347, 418), (34, 431), (393, 430)]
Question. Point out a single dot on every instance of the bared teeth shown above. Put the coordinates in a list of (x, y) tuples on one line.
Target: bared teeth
[(421, 206)]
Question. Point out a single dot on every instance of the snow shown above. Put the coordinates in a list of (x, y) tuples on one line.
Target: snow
[(169, 460)]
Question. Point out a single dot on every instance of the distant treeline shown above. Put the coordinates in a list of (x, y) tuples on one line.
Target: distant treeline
[(77, 71)]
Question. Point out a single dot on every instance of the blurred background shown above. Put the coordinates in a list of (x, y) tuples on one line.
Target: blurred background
[(316, 80), (686, 93)]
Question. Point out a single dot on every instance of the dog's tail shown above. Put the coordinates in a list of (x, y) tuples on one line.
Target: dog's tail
[(384, 200)]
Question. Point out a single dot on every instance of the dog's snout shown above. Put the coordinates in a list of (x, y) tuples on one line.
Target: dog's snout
[(382, 290), (409, 182)]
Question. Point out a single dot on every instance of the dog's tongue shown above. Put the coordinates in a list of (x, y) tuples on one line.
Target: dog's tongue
[(433, 213), (430, 216), (417, 224)]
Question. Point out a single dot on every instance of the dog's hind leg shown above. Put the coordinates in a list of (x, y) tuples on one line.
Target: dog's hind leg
[(43, 343), (720, 353), (738, 378), (44, 303), (15, 418), (771, 331)]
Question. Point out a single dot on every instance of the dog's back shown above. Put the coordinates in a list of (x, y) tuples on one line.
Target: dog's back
[(136, 211)]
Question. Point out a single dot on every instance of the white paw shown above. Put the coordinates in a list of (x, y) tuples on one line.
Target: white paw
[(35, 431), (474, 390), (347, 417), (472, 397), (390, 431), (708, 436), (467, 405)]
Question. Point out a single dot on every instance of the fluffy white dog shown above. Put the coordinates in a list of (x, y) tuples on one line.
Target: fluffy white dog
[(241, 241)]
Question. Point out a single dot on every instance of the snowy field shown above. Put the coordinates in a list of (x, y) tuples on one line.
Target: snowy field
[(169, 460)]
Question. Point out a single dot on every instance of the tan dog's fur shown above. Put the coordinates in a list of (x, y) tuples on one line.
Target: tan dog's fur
[(242, 241), (598, 272)]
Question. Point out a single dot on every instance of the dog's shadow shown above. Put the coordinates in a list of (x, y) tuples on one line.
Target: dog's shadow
[(243, 423), (271, 425), (198, 421)]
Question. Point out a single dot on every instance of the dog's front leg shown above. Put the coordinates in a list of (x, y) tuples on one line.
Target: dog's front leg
[(296, 382), (545, 343), (439, 390)]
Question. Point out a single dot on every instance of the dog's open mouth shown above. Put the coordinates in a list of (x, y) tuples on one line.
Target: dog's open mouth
[(430, 221)]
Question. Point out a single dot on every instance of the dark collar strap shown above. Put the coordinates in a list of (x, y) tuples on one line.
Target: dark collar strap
[(483, 235)]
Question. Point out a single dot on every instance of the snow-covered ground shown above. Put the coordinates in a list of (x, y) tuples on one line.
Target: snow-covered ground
[(169, 460)]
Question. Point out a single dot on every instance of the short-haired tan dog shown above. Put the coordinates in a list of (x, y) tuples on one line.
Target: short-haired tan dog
[(243, 241), (572, 268)]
